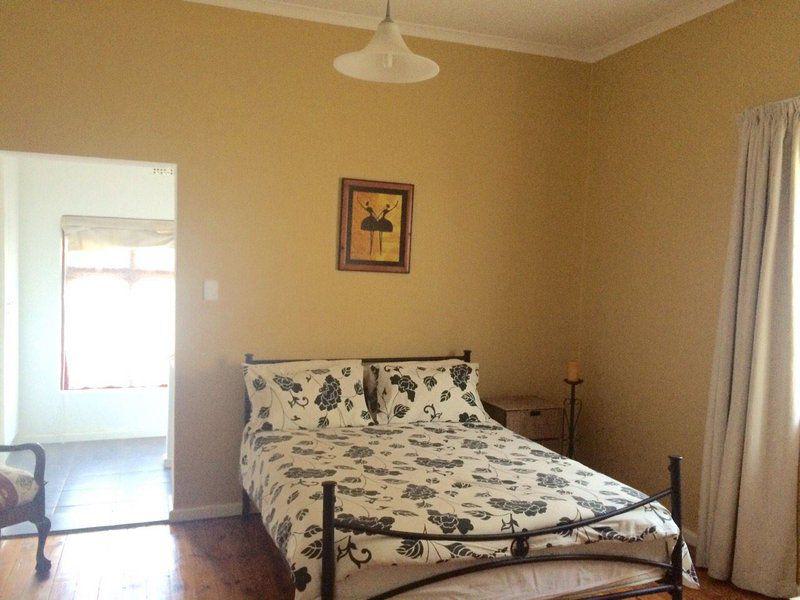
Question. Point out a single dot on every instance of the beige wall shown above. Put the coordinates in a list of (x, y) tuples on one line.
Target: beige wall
[(662, 160), (262, 128)]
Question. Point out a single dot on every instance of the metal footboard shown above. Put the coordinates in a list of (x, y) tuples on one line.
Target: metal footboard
[(672, 582)]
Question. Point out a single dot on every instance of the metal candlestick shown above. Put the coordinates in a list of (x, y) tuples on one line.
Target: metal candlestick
[(573, 415)]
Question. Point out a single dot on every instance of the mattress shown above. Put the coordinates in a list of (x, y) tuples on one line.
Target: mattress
[(453, 478), (542, 581)]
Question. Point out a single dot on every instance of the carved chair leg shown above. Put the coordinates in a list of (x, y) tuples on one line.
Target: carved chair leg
[(42, 562)]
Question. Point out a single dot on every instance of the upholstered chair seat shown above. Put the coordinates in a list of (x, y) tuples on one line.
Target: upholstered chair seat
[(16, 487), (22, 498)]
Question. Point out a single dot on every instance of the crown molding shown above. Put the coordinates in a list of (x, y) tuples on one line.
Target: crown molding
[(335, 17), (689, 12), (281, 8)]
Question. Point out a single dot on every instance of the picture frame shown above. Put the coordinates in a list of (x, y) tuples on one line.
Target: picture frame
[(375, 226)]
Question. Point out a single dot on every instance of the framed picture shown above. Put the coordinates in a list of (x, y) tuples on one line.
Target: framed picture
[(375, 230)]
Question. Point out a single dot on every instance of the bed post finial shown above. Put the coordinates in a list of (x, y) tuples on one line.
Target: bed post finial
[(676, 573), (328, 531)]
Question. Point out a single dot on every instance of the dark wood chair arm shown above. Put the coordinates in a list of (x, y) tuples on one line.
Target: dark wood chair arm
[(38, 452)]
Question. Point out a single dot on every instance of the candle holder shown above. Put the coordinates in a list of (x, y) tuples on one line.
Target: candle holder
[(573, 407)]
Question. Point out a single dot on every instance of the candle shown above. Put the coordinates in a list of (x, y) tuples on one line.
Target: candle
[(573, 370)]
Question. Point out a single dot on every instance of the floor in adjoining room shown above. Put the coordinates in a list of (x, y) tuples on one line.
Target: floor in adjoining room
[(101, 483), (214, 559)]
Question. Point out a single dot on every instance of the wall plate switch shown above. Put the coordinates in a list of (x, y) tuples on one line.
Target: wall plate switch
[(211, 290)]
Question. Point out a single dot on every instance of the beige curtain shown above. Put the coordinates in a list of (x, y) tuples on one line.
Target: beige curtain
[(749, 491), (96, 233)]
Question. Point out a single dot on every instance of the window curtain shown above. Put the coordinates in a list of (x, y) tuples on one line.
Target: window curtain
[(749, 491), (98, 233), (118, 302)]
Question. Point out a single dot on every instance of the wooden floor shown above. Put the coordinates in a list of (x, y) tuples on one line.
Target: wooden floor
[(216, 559)]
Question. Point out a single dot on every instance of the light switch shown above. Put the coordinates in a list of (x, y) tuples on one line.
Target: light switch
[(211, 290)]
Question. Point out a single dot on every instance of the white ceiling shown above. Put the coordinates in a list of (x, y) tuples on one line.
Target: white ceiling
[(586, 30)]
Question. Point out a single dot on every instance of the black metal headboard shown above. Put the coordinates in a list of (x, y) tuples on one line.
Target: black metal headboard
[(251, 360)]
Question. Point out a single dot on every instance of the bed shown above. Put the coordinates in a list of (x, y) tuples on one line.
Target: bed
[(455, 510)]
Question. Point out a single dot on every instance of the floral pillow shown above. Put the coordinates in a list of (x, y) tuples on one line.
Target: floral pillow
[(371, 377), (429, 392), (306, 395)]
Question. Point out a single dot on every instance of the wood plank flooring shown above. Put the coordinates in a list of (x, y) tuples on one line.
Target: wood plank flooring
[(215, 559)]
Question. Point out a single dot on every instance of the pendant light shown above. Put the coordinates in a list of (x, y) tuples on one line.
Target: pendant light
[(386, 58)]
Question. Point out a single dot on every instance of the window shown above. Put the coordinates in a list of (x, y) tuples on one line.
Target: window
[(118, 308)]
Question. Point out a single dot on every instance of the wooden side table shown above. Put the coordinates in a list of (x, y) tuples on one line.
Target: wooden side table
[(535, 418)]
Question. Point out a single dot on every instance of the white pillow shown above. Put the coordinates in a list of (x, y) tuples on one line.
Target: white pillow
[(306, 395), (371, 377), (412, 392)]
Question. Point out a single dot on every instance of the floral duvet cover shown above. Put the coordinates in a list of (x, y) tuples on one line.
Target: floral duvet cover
[(456, 478)]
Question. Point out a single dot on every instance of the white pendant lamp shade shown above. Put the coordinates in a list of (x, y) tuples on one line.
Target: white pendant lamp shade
[(386, 58)]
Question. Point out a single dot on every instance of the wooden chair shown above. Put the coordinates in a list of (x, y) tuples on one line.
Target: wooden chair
[(28, 499)]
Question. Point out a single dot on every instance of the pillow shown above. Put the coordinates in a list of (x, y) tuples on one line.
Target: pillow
[(371, 377), (410, 392), (306, 395)]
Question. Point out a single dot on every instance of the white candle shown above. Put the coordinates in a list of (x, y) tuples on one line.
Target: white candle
[(573, 370)]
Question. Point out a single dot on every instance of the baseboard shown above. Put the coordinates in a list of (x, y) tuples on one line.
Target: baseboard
[(211, 511), (60, 438), (690, 537)]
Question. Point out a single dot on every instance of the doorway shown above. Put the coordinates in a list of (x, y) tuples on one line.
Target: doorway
[(88, 268)]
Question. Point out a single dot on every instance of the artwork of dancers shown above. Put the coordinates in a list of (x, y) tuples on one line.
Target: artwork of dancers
[(375, 226), (380, 224)]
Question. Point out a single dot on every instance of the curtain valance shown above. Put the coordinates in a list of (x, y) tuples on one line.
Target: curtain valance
[(96, 233)]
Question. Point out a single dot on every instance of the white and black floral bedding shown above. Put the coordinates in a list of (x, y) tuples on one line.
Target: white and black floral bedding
[(459, 478)]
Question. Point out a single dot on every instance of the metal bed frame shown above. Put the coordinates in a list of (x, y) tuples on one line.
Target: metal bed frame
[(672, 582)]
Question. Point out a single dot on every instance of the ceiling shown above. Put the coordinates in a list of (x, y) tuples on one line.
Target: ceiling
[(586, 30)]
